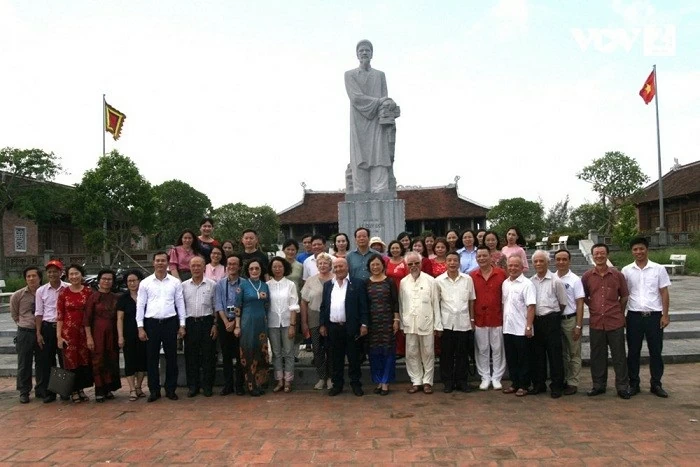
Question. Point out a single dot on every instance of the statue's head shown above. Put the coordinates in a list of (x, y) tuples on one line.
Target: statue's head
[(364, 50)]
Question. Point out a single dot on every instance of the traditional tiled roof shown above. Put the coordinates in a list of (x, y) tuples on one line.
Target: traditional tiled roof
[(682, 180), (421, 203)]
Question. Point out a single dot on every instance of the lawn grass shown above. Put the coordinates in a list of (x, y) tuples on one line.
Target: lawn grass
[(692, 262)]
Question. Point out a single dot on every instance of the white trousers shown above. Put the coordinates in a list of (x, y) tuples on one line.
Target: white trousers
[(420, 358), (489, 344)]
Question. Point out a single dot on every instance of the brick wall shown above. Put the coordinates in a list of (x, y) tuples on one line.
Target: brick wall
[(12, 220)]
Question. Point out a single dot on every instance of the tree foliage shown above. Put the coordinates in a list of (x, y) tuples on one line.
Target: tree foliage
[(114, 192), (528, 216), (589, 216), (232, 219), (23, 186), (626, 227), (178, 206), (616, 178), (557, 218)]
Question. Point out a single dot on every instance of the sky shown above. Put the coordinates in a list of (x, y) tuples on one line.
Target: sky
[(245, 101)]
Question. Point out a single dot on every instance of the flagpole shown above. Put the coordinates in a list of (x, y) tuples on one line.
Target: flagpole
[(658, 149), (104, 125)]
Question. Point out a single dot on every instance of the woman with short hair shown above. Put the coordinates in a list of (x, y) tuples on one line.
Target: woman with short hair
[(282, 321), (128, 336)]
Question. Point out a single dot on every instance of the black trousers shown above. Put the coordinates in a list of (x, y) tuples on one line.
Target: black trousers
[(26, 353), (639, 327), (600, 341), (230, 349), (161, 331), (547, 349), (46, 359), (517, 350), (343, 344), (200, 352), (454, 358)]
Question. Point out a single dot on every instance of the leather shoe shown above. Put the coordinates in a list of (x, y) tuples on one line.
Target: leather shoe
[(595, 392), (192, 392), (24, 398), (538, 390), (357, 390), (240, 392), (207, 392), (172, 396), (464, 387), (225, 391), (447, 389), (50, 398), (624, 394), (334, 391), (570, 390), (659, 391), (154, 396), (555, 394), (634, 390)]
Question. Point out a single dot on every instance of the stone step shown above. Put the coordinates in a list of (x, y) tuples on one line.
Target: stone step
[(675, 351)]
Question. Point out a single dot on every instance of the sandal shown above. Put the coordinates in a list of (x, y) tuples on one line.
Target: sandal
[(509, 390), (83, 397), (521, 392), (132, 395), (279, 387), (413, 389), (287, 386), (75, 398), (139, 392), (378, 389)]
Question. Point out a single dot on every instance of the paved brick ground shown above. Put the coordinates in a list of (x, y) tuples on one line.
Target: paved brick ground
[(307, 426)]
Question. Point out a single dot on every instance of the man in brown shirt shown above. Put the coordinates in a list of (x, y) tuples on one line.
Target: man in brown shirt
[(22, 312), (606, 295)]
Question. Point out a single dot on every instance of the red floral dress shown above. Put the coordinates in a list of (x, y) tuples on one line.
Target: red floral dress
[(71, 308)]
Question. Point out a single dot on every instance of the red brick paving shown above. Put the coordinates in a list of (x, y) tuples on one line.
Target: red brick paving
[(308, 427)]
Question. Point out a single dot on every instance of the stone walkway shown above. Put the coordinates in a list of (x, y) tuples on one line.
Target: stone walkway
[(306, 426)]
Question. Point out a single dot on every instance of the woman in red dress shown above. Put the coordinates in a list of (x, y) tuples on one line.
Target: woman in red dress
[(100, 323), (439, 262), (418, 245), (70, 332), (396, 270)]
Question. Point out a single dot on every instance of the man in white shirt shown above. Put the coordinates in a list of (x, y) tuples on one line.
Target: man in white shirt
[(159, 308), (419, 307), (45, 316), (456, 292), (647, 314), (551, 301), (571, 322), (200, 338), (318, 246), (519, 301)]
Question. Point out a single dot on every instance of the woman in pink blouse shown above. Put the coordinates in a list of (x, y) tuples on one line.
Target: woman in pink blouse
[(185, 249), (514, 246), (215, 270)]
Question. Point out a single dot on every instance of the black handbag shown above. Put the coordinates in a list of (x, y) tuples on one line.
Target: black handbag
[(61, 381)]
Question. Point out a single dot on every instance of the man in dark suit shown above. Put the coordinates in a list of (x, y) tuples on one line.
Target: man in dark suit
[(344, 318)]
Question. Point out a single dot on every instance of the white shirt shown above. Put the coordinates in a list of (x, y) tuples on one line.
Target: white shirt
[(46, 297), (455, 295), (284, 300), (338, 292), (551, 294), (160, 299), (199, 298), (517, 295), (574, 291), (310, 267), (644, 286), (419, 305)]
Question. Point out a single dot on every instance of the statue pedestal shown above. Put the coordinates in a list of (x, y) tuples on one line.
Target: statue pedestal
[(384, 217)]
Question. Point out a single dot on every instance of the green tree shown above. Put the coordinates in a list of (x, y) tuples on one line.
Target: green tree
[(232, 219), (528, 216), (616, 178), (113, 204), (626, 227), (557, 218), (23, 187), (178, 206), (589, 216)]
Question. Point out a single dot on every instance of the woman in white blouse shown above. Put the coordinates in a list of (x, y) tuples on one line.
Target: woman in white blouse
[(281, 322)]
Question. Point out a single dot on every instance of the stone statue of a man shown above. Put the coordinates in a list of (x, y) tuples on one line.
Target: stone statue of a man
[(372, 127)]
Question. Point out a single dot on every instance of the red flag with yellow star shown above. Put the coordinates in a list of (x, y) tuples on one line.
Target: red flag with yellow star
[(114, 120), (648, 91)]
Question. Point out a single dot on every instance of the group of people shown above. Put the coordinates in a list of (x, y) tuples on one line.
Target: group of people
[(458, 296)]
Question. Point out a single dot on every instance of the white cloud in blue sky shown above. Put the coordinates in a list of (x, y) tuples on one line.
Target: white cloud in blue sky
[(245, 100)]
